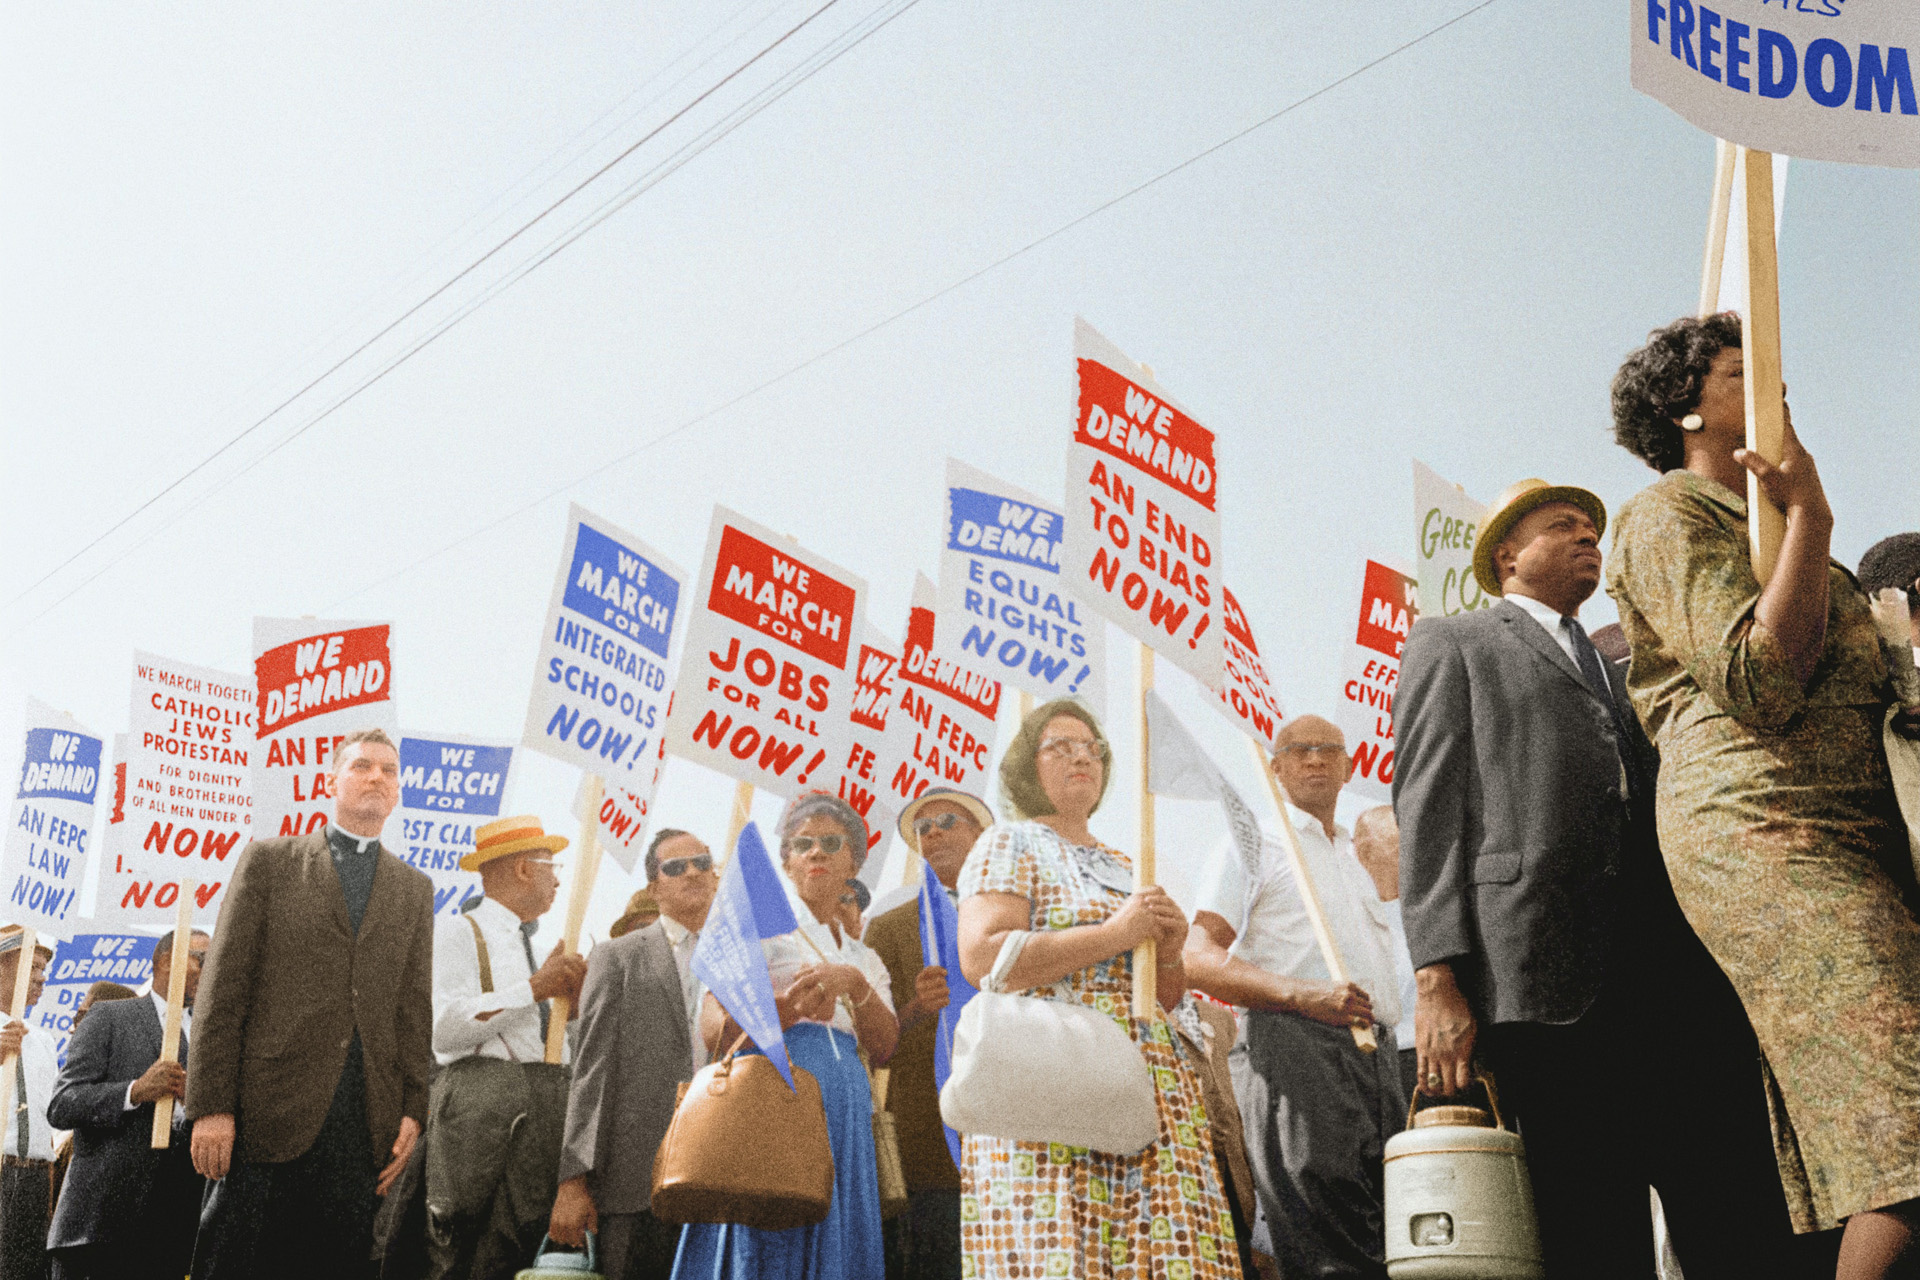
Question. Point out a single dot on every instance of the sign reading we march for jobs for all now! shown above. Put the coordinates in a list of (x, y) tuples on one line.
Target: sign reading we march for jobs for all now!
[(449, 784), (44, 857), (1142, 529), (316, 682), (1371, 676)]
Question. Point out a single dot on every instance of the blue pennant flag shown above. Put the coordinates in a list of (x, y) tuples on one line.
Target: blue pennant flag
[(940, 944), (750, 907)]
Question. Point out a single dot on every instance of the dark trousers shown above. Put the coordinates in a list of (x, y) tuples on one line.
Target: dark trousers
[(493, 1153), (925, 1240), (26, 1210), (637, 1246), (1317, 1114), (157, 1242)]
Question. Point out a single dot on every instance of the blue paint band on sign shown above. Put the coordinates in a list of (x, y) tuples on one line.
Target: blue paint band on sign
[(452, 777), (87, 958), (621, 589), (986, 524), (60, 765)]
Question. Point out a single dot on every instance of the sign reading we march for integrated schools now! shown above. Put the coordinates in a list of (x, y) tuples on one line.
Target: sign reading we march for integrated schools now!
[(49, 830), (1446, 524), (1371, 676), (315, 682), (767, 680), (1820, 79), (1143, 533), (600, 690), (449, 784), (1003, 605), (1246, 694)]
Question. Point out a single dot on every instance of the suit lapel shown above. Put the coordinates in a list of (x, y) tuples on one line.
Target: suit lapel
[(656, 951), (327, 881), (1522, 627)]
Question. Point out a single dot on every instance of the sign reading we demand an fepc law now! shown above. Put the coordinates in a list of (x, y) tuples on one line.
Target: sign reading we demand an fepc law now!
[(1143, 534), (316, 681), (44, 857), (767, 681), (600, 689), (1370, 677)]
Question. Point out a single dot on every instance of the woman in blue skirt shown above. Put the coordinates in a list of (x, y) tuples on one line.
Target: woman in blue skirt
[(830, 1008)]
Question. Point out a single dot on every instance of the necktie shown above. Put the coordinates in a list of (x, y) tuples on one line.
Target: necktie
[(526, 942), (1588, 659), (20, 1110)]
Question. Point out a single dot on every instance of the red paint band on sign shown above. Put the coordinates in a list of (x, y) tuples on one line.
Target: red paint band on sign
[(319, 674), (1121, 418), (1387, 610), (926, 669), (872, 689), (781, 597), (1236, 621)]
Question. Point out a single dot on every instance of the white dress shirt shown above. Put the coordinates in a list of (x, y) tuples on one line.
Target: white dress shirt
[(1273, 930), (682, 941), (36, 1055), (788, 955), (186, 1023), (513, 1032), (1403, 969), (1554, 623)]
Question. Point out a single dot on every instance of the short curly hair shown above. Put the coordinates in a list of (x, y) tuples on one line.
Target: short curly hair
[(1019, 768), (821, 804), (1893, 562), (1661, 382)]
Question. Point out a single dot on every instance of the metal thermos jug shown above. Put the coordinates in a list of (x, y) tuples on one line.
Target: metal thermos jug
[(552, 1265), (1459, 1204)]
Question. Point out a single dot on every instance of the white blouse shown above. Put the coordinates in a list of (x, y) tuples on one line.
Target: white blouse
[(788, 955)]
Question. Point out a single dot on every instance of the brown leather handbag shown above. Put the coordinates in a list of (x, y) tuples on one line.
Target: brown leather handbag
[(744, 1148)]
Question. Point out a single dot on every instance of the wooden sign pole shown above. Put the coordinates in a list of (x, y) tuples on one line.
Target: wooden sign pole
[(16, 1012), (1146, 956), (1716, 255), (742, 814), (1760, 346), (178, 961), (1309, 896), (578, 896)]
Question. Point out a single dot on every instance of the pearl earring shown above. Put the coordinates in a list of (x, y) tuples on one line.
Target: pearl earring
[(1692, 422)]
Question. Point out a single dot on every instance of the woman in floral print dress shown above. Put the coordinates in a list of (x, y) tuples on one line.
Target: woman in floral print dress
[(1031, 1209)]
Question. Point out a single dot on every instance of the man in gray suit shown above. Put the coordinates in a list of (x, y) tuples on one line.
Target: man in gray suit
[(1544, 931), (639, 1038), (126, 1211)]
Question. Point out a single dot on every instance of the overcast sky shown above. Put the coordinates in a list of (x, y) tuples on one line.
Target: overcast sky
[(1443, 257)]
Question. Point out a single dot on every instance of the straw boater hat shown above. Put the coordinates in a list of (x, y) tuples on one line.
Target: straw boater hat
[(13, 934), (509, 836), (972, 804), (1510, 507)]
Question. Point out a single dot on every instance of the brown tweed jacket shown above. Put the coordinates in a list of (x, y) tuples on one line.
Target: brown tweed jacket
[(287, 983)]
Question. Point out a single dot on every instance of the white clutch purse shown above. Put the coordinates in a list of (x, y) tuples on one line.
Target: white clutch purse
[(1046, 1071)]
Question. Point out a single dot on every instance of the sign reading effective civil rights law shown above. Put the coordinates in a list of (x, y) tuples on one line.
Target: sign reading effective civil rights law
[(1820, 79), (1003, 605), (449, 784), (945, 716), (315, 682), (767, 681), (1142, 531), (50, 827), (1370, 677), (601, 687), (1446, 524), (1246, 694)]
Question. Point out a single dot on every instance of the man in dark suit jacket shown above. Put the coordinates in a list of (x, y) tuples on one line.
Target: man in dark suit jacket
[(1544, 930), (126, 1211), (638, 1040), (313, 1037)]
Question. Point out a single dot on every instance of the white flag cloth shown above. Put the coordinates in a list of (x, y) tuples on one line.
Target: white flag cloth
[(1179, 767)]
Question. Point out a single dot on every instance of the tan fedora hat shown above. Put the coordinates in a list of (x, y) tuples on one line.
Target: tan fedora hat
[(971, 803), (507, 836), (1519, 498)]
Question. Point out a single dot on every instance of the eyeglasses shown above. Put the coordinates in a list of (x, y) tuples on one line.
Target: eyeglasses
[(1075, 748), (944, 821), (1311, 750), (803, 845), (546, 862), (678, 866)]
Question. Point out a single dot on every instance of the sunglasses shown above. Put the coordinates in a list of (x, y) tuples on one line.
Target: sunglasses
[(944, 822), (1074, 748), (804, 845), (679, 866)]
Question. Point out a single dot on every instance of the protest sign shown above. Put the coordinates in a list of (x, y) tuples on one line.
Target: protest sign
[(1446, 522), (1820, 79), (1371, 675), (449, 784), (188, 803), (1142, 533), (768, 680), (89, 956), (940, 946), (867, 763), (315, 682), (1246, 694), (945, 717), (1003, 606), (750, 907), (44, 858), (623, 813), (600, 689)]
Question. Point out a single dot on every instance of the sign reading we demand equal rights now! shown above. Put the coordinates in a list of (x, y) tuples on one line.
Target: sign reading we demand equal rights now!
[(767, 680), (316, 682), (1142, 531), (44, 857), (1370, 677)]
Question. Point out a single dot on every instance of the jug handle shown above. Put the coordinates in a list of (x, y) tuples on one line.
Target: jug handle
[(1485, 1078)]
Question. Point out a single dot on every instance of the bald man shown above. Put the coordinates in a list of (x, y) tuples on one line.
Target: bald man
[(1317, 1110)]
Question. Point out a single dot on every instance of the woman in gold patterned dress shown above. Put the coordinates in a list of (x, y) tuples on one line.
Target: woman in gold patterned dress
[(1034, 1209), (1776, 811)]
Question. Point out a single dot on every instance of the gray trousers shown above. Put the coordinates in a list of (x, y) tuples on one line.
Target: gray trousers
[(637, 1246), (1317, 1114), (493, 1155)]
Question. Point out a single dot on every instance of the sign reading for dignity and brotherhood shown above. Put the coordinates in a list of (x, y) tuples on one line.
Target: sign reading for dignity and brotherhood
[(188, 803), (767, 680), (1371, 675), (600, 692), (1446, 522), (89, 956), (316, 682), (867, 763), (1820, 79), (945, 716), (44, 857), (1143, 533), (449, 784), (1246, 694), (1003, 606)]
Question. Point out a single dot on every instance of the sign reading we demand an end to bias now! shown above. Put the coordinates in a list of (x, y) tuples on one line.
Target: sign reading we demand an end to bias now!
[(1370, 676), (600, 690), (1003, 604), (767, 681), (1819, 79), (1142, 532), (449, 784), (316, 682), (44, 857)]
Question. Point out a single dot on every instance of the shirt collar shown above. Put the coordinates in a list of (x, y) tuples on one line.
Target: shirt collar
[(1302, 821), (676, 932), (345, 842), (1713, 491), (1545, 614), (492, 914), (159, 999)]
